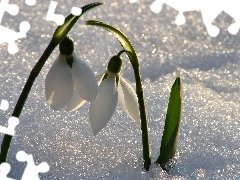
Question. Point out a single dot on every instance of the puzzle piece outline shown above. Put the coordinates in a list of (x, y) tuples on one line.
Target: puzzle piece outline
[(12, 121), (59, 18), (21, 156), (30, 2), (7, 35), (4, 105), (209, 11), (31, 170), (4, 170)]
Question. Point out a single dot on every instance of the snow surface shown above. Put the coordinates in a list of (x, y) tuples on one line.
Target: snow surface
[(209, 68)]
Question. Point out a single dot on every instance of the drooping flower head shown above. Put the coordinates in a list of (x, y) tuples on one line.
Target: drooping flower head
[(112, 88), (70, 81)]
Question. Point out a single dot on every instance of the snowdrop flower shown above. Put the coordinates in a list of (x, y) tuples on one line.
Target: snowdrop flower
[(112, 88), (70, 82)]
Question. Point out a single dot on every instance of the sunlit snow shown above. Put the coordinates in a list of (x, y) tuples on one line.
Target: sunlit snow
[(209, 67)]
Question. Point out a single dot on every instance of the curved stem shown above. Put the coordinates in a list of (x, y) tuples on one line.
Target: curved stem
[(21, 101), (143, 116), (144, 121), (129, 49), (59, 34), (122, 51)]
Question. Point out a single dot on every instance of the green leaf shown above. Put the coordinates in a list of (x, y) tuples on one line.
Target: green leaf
[(69, 22), (122, 38), (172, 124)]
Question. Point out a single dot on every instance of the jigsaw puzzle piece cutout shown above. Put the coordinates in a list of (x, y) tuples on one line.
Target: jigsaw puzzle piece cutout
[(133, 1), (156, 6), (10, 130), (231, 7), (180, 19), (4, 105), (51, 16), (10, 36), (12, 9), (4, 170), (76, 11), (7, 35), (31, 171), (210, 11), (181, 6), (30, 2), (234, 28)]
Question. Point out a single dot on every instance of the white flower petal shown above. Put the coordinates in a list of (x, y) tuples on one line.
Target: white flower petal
[(75, 102), (128, 100), (59, 84), (84, 80), (102, 109)]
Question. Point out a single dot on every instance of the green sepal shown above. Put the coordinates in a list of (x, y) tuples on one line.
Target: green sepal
[(172, 125), (115, 64), (69, 22), (66, 46)]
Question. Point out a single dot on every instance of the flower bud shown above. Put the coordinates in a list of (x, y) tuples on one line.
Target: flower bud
[(66, 46), (115, 64)]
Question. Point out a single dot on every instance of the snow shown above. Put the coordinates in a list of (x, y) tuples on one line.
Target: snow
[(209, 68)]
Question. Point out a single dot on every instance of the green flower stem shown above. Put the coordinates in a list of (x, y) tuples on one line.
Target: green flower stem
[(144, 121), (23, 97), (34, 73), (143, 117), (58, 36), (129, 49)]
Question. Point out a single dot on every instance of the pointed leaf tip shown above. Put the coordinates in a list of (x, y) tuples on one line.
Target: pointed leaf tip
[(172, 124), (178, 81), (69, 22)]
